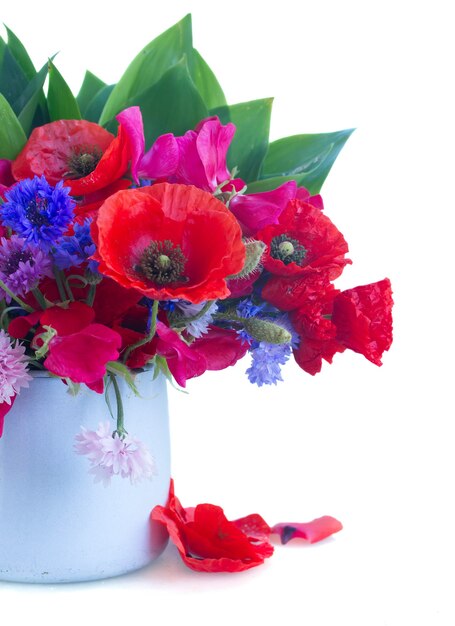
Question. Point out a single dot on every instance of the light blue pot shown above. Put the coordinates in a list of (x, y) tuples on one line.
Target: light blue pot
[(56, 524)]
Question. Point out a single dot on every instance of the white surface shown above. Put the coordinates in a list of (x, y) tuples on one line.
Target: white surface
[(370, 446)]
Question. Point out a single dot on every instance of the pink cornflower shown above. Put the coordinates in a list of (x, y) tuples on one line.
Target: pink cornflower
[(111, 455), (13, 368)]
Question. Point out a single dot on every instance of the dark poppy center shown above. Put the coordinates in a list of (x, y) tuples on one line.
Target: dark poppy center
[(36, 212), (83, 161), (162, 262), (14, 259), (287, 250)]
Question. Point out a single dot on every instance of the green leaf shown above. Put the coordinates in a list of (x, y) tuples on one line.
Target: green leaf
[(206, 82), (149, 66), (12, 136), (61, 102), (19, 52), (12, 79), (96, 105), (31, 97), (172, 105), (91, 85), (268, 184), (120, 369), (249, 146), (305, 158)]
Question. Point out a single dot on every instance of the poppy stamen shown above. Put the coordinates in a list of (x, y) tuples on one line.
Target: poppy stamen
[(287, 250), (162, 263)]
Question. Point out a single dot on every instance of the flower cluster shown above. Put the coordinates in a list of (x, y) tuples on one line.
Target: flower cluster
[(178, 246)]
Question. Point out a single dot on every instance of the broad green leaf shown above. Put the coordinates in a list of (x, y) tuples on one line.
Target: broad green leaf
[(149, 66), (249, 146), (96, 104), (12, 79), (30, 99), (19, 52), (206, 82), (60, 100), (268, 184), (91, 85), (172, 105), (12, 136), (306, 158)]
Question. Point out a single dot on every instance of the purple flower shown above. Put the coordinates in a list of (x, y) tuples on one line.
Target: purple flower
[(197, 327), (266, 360), (13, 369), (22, 266), (111, 455), (38, 212), (75, 250)]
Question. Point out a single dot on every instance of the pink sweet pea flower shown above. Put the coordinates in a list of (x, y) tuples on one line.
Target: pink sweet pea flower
[(257, 210), (162, 160), (131, 121), (203, 154), (183, 362), (304, 194)]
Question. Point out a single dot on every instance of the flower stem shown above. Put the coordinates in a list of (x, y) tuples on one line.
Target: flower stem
[(58, 280), (25, 306), (120, 430), (91, 295), (39, 298), (150, 335)]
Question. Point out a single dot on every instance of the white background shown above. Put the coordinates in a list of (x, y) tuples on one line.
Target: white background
[(368, 445)]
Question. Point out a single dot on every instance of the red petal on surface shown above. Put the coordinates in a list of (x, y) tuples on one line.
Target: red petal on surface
[(254, 526), (314, 531)]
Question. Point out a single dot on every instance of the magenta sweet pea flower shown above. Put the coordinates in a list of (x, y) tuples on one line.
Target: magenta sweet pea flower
[(162, 160), (184, 363), (131, 121), (257, 210), (203, 154)]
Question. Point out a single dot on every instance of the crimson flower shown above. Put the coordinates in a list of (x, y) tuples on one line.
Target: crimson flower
[(208, 542), (81, 348), (169, 241), (85, 154), (359, 319), (304, 241)]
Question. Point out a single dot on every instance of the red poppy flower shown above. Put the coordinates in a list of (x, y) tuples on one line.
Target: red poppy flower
[(289, 293), (363, 319), (169, 241), (318, 333), (85, 154), (304, 241), (220, 347), (208, 542)]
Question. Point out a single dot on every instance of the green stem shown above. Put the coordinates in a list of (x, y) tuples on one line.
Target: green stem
[(149, 337), (39, 298), (58, 280), (91, 295), (68, 289), (120, 430), (181, 320), (8, 291)]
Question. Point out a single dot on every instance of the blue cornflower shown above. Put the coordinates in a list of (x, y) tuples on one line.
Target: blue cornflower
[(266, 361), (75, 250), (38, 212), (197, 327), (247, 308), (266, 358)]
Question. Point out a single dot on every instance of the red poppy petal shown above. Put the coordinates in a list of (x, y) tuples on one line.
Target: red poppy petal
[(314, 531)]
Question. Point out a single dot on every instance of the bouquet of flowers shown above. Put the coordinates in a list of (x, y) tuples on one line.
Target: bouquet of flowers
[(149, 225)]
